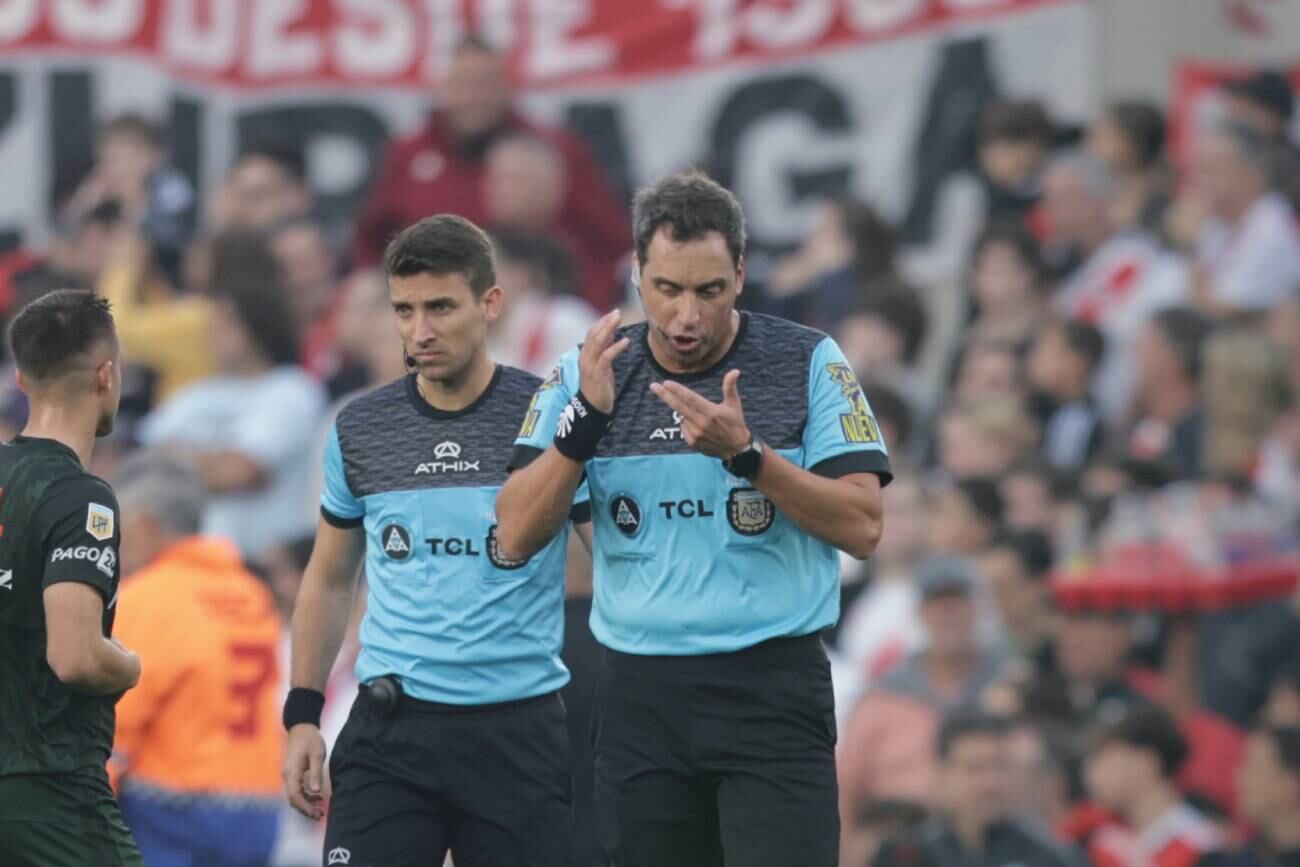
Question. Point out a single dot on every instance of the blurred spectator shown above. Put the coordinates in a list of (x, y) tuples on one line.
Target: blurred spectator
[(248, 427), (442, 168), (309, 270), (1269, 783), (1283, 705), (879, 823), (984, 438), (1035, 497), (1244, 233), (975, 823), (1245, 390), (1039, 785), (894, 415), (882, 625), (1092, 651), (1129, 137), (525, 185), (132, 170), (848, 253), (1016, 566), (266, 187), (1062, 364), (888, 747), (1014, 141), (539, 322), (965, 516), (1264, 102), (882, 336), (1008, 286), (1170, 427), (198, 740), (1130, 771), (990, 369), (1113, 281), (367, 333)]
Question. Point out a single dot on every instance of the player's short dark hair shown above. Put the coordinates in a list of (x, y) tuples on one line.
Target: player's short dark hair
[(246, 274), (967, 722), (1147, 727), (1185, 331), (689, 205), (1023, 121), (900, 307), (1031, 547), (1143, 125), (984, 498), (1084, 339), (49, 336), (443, 244), (133, 125)]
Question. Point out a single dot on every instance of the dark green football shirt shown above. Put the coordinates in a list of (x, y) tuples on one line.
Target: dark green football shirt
[(57, 523)]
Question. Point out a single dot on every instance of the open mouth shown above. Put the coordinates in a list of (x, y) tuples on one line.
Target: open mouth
[(685, 344)]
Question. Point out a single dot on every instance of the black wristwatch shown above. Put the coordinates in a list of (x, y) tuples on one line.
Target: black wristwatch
[(746, 462)]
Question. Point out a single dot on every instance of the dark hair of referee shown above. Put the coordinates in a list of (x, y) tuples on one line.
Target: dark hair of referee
[(65, 347), (442, 286)]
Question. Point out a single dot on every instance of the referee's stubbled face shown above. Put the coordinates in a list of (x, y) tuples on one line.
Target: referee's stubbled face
[(442, 325), (689, 290)]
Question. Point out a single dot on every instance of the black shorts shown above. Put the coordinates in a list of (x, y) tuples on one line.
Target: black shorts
[(63, 820), (491, 784), (726, 758)]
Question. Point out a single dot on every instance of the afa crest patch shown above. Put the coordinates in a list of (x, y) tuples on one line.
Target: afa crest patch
[(749, 512), (99, 522), (858, 425)]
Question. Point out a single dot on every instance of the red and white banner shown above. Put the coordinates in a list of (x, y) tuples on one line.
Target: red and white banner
[(785, 99), (1198, 100)]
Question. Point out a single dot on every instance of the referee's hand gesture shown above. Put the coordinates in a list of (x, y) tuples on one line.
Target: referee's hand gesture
[(596, 361), (715, 429)]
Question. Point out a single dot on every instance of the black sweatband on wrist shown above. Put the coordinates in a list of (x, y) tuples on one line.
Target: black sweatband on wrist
[(303, 706), (579, 429)]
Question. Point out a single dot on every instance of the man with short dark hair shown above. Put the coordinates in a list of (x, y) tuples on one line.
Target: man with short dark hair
[(974, 826), (716, 525), (61, 672), (1170, 430), (457, 742), (1130, 771), (1015, 566), (1065, 356), (1268, 786)]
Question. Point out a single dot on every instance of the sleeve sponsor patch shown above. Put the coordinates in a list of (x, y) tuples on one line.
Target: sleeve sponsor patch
[(857, 424), (99, 521)]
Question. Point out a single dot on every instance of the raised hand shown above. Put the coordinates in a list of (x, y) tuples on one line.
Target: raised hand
[(715, 429), (596, 361)]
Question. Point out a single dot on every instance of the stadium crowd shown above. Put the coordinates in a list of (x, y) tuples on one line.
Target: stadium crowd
[(1107, 386)]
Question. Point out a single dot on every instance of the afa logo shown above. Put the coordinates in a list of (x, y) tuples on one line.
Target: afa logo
[(858, 424), (749, 512), (395, 540)]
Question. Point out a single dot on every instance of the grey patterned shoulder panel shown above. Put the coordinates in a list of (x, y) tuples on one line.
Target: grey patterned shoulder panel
[(773, 356), (392, 440)]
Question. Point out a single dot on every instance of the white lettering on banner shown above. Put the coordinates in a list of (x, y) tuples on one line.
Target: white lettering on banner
[(273, 50), (17, 18), (208, 41), (444, 32), (375, 38), (98, 20), (496, 21), (776, 25), (716, 30), (868, 15), (554, 52)]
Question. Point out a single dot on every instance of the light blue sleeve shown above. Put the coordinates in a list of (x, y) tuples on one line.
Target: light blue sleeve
[(841, 435), (538, 427), (337, 498)]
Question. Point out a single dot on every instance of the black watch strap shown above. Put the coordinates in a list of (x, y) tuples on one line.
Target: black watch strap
[(746, 462)]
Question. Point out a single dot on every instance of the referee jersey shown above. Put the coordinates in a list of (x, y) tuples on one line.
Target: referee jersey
[(688, 558), (446, 613)]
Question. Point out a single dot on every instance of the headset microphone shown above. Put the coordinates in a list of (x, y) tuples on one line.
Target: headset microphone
[(408, 360)]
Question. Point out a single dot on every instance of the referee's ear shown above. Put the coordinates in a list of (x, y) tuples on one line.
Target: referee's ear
[(740, 275), (493, 302)]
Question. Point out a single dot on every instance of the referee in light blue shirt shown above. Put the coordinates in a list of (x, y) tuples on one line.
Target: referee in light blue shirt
[(728, 456)]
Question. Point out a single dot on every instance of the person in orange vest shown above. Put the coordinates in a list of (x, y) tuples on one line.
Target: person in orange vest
[(199, 745)]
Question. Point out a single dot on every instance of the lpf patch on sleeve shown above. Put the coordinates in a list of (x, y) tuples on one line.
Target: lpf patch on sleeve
[(99, 521)]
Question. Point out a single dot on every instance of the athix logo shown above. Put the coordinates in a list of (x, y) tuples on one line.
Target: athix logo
[(339, 855), (573, 410), (6, 579), (669, 433), (448, 460)]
